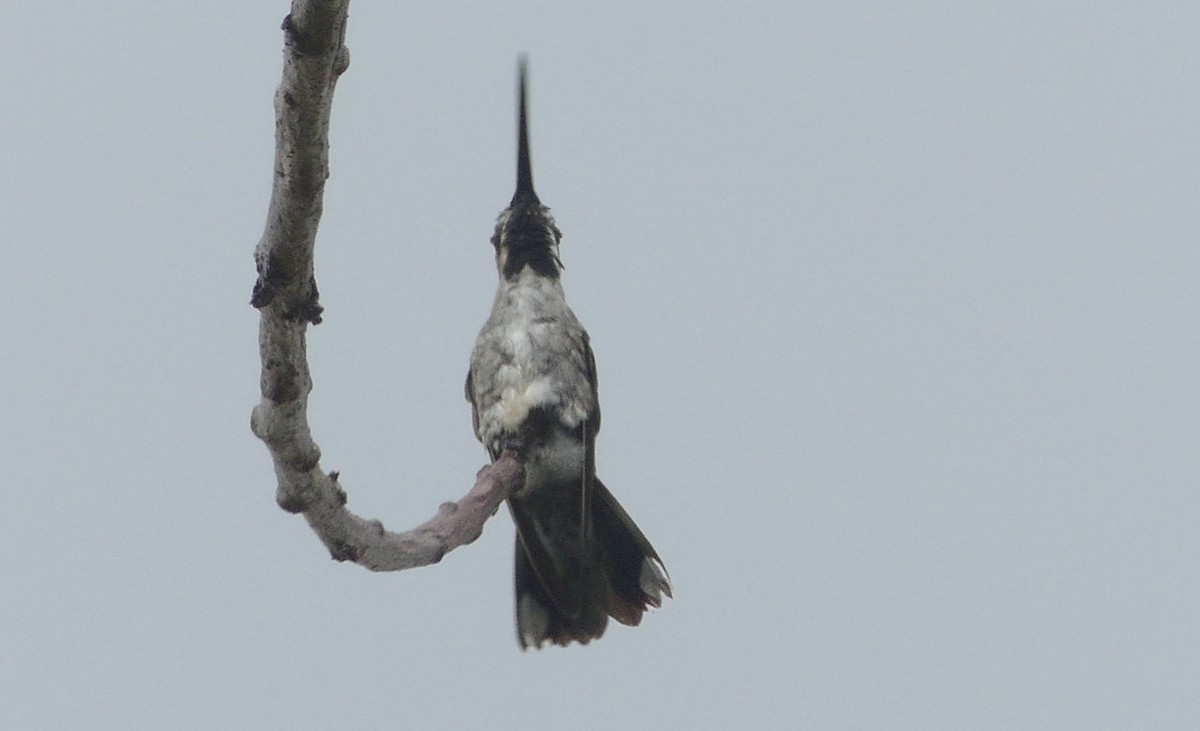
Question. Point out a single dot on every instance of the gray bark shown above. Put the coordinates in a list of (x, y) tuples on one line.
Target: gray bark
[(287, 299)]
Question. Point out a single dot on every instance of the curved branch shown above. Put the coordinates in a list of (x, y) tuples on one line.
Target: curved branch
[(287, 299), (367, 543)]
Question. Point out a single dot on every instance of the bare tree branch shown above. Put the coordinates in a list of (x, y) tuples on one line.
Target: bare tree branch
[(287, 299)]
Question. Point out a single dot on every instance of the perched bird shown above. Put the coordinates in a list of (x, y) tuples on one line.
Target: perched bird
[(580, 558)]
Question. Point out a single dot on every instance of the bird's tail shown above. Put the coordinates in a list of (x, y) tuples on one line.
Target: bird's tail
[(568, 583)]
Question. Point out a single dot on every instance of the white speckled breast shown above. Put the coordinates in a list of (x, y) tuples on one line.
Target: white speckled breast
[(529, 354)]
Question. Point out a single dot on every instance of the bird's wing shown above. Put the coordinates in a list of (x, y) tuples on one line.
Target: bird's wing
[(589, 369), (469, 391)]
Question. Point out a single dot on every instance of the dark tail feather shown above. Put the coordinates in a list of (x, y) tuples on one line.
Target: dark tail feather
[(540, 619), (637, 578), (560, 597), (567, 588)]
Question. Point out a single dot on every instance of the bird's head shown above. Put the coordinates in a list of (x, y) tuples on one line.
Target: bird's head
[(525, 231)]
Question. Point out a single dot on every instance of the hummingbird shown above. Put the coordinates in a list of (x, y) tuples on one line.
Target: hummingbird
[(580, 558)]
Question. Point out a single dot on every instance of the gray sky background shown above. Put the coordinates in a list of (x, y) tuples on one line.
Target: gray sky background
[(894, 307)]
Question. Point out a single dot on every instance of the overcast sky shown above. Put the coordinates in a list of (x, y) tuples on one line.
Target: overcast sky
[(895, 313)]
